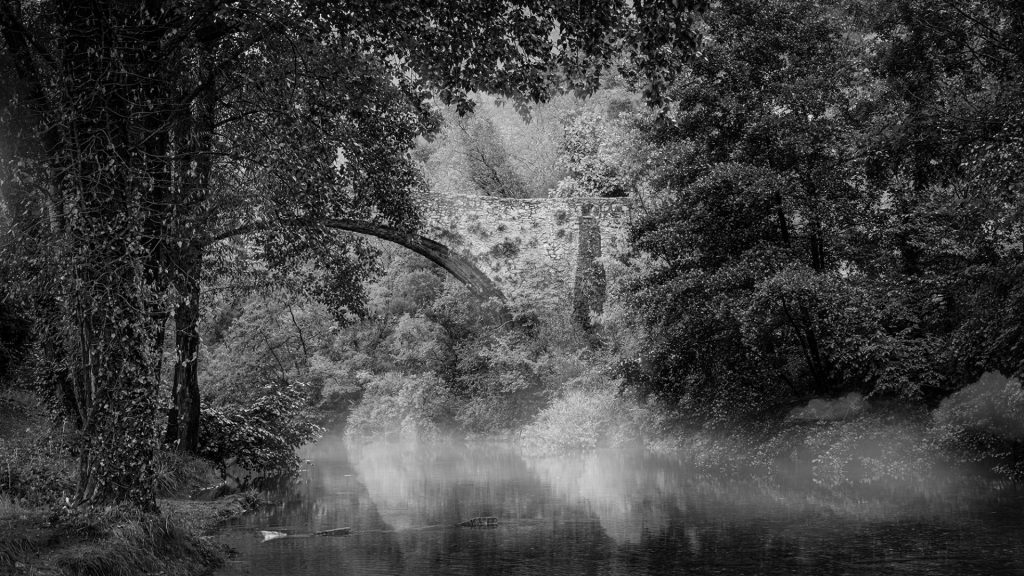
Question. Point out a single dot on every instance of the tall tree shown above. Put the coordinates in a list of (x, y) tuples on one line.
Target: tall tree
[(488, 160), (761, 165), (952, 144)]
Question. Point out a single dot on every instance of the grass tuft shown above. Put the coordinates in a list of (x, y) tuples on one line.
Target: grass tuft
[(120, 541)]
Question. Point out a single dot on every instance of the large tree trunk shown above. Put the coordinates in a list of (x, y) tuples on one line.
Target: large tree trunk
[(112, 168), (193, 142), (186, 344)]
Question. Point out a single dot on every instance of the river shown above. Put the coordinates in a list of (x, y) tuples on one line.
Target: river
[(612, 512)]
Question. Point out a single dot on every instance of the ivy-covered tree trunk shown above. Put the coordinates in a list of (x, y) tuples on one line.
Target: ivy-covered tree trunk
[(186, 345), (110, 343), (111, 173)]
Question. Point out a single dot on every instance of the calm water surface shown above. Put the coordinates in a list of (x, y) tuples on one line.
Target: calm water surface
[(609, 513)]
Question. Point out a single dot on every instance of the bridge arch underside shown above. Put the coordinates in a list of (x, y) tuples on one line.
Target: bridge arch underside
[(456, 264)]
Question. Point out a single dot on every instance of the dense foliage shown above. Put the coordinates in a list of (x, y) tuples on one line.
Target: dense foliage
[(838, 207), (426, 359), (258, 441)]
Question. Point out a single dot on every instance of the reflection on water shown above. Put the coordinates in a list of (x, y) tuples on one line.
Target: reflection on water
[(608, 513)]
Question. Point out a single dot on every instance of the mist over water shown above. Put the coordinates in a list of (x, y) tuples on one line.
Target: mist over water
[(611, 512)]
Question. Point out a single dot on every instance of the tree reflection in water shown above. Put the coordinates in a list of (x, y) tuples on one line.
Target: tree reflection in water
[(610, 512)]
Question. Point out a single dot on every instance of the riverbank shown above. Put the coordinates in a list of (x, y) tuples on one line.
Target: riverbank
[(39, 539), (835, 444)]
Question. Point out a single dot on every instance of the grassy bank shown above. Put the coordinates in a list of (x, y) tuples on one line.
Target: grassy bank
[(38, 537)]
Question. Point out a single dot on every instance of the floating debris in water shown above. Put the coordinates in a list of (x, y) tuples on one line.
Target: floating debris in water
[(274, 535), (480, 522), (334, 532)]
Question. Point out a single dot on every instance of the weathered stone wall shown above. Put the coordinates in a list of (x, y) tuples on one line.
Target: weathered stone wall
[(531, 247)]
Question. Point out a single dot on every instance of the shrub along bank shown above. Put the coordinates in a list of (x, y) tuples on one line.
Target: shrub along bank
[(843, 443)]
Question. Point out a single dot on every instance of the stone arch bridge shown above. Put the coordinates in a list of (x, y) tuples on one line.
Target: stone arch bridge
[(545, 250)]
